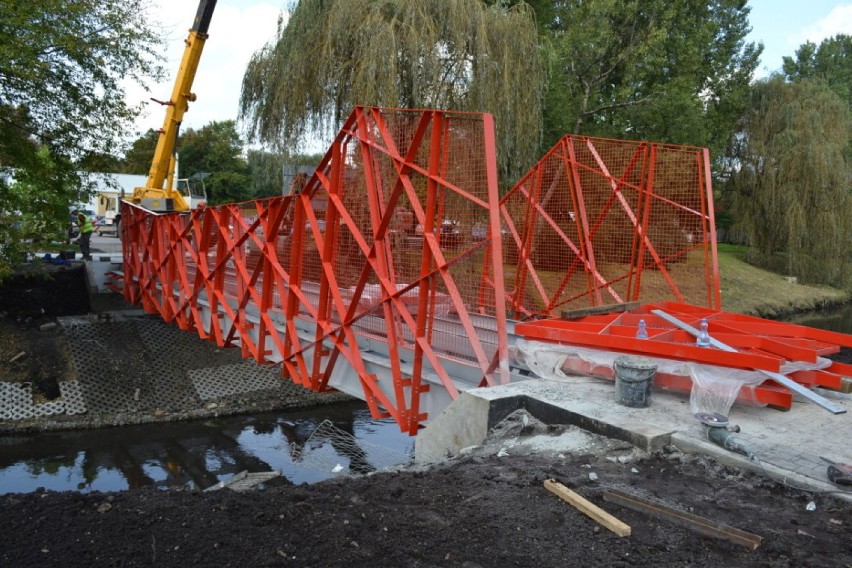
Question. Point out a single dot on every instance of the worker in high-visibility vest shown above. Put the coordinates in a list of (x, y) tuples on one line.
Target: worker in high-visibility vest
[(86, 228)]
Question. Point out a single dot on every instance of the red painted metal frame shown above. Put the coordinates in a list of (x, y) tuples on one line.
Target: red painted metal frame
[(761, 344), (600, 221), (400, 238), (764, 394), (378, 243)]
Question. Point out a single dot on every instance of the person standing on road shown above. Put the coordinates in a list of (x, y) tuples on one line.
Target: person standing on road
[(86, 228)]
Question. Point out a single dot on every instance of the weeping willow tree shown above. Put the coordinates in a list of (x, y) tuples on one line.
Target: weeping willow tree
[(792, 186), (444, 54)]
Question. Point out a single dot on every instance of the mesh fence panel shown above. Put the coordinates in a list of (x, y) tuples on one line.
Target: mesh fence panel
[(400, 237), (605, 221), (389, 239), (404, 209)]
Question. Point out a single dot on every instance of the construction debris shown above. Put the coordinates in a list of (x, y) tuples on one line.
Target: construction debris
[(244, 480)]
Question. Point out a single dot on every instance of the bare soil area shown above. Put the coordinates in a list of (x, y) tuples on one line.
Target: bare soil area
[(478, 510)]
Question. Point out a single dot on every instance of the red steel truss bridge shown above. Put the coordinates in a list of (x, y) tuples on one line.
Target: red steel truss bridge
[(397, 272)]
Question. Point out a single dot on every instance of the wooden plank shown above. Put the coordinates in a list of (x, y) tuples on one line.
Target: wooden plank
[(587, 507), (226, 482), (597, 310), (689, 521)]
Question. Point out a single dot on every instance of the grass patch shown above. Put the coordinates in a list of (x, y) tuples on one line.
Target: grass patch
[(726, 248), (748, 289)]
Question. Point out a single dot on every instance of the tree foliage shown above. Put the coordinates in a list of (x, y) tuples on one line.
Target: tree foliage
[(62, 105), (216, 149), (62, 70), (33, 207), (831, 62), (139, 156), (446, 54), (792, 182), (666, 70)]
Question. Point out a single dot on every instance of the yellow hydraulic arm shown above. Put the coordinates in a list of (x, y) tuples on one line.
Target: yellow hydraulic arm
[(159, 194)]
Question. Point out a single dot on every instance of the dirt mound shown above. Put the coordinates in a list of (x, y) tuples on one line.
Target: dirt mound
[(41, 290), (480, 510)]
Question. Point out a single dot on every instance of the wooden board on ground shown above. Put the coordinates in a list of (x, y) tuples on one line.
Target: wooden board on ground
[(587, 507), (692, 522)]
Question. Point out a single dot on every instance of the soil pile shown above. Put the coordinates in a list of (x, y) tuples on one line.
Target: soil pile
[(44, 289), (479, 510)]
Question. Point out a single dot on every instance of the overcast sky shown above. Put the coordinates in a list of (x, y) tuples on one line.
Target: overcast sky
[(241, 27), (237, 30)]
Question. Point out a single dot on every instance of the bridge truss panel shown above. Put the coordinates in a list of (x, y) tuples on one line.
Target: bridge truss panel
[(393, 241), (599, 222), (393, 268)]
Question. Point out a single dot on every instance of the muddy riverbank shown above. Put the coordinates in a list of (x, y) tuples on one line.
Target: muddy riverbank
[(487, 508)]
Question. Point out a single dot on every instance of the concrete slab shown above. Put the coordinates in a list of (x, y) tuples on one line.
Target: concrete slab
[(787, 445)]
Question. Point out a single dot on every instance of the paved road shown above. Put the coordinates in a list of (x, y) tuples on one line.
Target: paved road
[(105, 243)]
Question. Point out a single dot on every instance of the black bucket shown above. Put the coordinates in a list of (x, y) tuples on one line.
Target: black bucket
[(634, 377)]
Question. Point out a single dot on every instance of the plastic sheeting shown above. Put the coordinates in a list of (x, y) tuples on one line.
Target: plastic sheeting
[(714, 389)]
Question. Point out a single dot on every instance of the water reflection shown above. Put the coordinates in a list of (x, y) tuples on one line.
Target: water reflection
[(836, 319), (200, 454)]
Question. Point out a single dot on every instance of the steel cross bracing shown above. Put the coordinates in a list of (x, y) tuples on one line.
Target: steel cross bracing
[(395, 272), (601, 221), (373, 258)]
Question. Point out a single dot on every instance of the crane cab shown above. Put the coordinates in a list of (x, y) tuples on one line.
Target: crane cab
[(194, 192)]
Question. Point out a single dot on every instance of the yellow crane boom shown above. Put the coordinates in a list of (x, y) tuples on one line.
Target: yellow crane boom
[(159, 193)]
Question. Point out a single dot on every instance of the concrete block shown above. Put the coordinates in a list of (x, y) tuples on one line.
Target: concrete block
[(462, 424)]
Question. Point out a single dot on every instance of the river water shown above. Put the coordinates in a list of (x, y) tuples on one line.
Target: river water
[(197, 455), (835, 319)]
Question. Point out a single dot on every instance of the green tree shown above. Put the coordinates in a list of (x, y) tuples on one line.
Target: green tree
[(216, 149), (448, 54), (266, 173), (62, 70), (672, 71), (831, 62), (138, 158), (791, 184), (34, 206)]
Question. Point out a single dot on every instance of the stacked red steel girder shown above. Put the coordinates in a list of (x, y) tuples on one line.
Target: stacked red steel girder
[(758, 344)]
